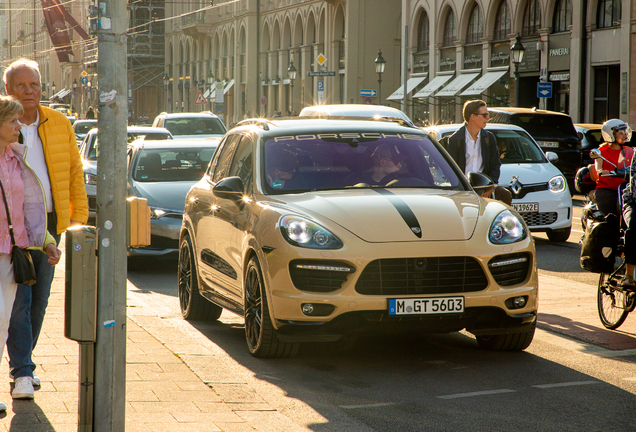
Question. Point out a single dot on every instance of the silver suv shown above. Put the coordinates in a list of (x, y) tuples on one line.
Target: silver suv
[(191, 125)]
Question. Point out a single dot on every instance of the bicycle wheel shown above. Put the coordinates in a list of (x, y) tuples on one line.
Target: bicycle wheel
[(612, 305)]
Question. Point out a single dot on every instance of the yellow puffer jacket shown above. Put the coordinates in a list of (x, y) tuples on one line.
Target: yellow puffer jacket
[(65, 168)]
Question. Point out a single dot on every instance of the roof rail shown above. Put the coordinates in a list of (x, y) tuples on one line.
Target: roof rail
[(254, 121)]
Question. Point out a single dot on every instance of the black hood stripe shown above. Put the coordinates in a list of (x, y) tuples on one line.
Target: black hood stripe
[(404, 210)]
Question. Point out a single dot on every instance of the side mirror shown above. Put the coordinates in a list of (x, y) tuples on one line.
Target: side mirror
[(595, 153), (229, 188), (479, 180), (580, 135), (552, 156)]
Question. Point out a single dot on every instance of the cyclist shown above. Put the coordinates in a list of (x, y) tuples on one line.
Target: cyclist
[(629, 206), (615, 134)]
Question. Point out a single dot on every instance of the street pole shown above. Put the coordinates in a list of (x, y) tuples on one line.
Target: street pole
[(110, 348), (405, 65), (258, 59)]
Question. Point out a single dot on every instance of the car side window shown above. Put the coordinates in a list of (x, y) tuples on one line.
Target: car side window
[(242, 162), (222, 161)]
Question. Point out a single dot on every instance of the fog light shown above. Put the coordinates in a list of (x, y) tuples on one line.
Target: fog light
[(519, 302), (308, 308)]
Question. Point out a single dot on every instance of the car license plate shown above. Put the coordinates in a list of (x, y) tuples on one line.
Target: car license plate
[(526, 207), (426, 306), (549, 144)]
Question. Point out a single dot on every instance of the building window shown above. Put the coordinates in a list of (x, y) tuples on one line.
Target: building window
[(531, 18), (502, 22), (423, 33), (562, 16), (449, 30), (475, 31), (609, 13)]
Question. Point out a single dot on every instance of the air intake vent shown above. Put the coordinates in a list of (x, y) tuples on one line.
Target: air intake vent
[(510, 269), (439, 275), (319, 276)]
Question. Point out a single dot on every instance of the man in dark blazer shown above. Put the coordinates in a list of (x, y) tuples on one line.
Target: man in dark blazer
[(475, 149)]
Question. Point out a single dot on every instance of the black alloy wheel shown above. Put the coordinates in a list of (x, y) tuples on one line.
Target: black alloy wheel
[(613, 304), (193, 305), (260, 334)]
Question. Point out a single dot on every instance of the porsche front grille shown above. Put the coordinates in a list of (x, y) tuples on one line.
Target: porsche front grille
[(439, 275), (510, 269), (319, 276), (536, 219)]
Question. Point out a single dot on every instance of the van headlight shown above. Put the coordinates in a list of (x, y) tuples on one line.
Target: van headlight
[(556, 184), (90, 179), (305, 233), (507, 228)]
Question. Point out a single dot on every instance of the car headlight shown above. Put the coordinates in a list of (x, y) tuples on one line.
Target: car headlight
[(556, 184), (156, 213), (90, 179), (507, 228), (304, 233)]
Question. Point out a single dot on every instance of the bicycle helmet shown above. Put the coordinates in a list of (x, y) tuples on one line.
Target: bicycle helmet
[(613, 125), (583, 181)]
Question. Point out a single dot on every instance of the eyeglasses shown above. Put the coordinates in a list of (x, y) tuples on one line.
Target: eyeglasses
[(484, 115)]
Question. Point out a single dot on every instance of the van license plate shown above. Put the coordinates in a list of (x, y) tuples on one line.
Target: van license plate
[(426, 306), (549, 144)]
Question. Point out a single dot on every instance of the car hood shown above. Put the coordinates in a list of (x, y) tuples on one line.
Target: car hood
[(393, 215), (197, 137), (528, 173), (165, 195)]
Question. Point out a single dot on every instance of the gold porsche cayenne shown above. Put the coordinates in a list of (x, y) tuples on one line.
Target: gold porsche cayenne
[(316, 229)]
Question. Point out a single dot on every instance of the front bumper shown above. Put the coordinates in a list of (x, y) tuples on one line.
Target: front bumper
[(555, 210), (164, 238)]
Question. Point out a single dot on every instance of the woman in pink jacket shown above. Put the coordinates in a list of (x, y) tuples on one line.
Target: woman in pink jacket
[(27, 208)]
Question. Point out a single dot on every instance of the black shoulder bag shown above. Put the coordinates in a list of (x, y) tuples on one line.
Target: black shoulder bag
[(23, 268)]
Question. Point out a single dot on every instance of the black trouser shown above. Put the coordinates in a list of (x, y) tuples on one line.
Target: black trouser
[(630, 233), (607, 201)]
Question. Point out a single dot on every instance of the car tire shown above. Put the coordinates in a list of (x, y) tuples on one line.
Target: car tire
[(193, 305), (509, 342), (560, 235), (260, 334)]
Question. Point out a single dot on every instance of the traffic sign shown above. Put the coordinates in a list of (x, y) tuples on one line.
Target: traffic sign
[(321, 86), (321, 59), (84, 73), (129, 100), (372, 93), (544, 90), (200, 99), (219, 107), (84, 80), (368, 100), (325, 73), (263, 100)]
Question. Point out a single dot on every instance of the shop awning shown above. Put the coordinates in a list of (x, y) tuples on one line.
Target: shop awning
[(228, 86), (483, 83), (211, 91), (57, 95), (65, 93), (456, 85), (432, 86), (411, 83)]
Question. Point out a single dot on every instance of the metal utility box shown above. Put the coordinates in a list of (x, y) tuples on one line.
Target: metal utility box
[(80, 301), (138, 213)]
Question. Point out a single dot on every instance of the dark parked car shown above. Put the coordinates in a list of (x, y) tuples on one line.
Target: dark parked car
[(553, 131)]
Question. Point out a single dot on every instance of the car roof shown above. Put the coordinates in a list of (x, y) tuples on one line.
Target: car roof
[(489, 126), (352, 110), (148, 129), (591, 126), (516, 110), (188, 115), (303, 125), (176, 143)]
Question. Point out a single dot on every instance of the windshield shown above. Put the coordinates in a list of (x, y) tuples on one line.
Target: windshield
[(195, 126), (544, 125), (93, 144), (172, 165), (355, 160), (516, 147), (83, 128)]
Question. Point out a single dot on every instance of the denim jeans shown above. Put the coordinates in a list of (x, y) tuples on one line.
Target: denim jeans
[(28, 312)]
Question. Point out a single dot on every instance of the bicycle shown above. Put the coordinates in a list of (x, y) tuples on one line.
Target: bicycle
[(614, 302)]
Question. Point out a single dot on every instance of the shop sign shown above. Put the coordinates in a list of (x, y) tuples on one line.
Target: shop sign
[(500, 54), (420, 63), (473, 57), (447, 59), (560, 77), (531, 58), (559, 52)]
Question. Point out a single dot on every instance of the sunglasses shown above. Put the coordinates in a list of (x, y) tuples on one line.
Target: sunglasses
[(484, 115)]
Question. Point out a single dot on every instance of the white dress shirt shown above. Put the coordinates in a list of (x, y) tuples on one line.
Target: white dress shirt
[(474, 161), (36, 160)]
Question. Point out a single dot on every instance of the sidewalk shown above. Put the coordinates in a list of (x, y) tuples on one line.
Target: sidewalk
[(162, 393)]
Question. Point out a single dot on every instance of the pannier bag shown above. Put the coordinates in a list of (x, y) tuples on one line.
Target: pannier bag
[(599, 243)]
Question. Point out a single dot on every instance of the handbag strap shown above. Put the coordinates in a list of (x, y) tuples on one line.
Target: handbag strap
[(4, 198)]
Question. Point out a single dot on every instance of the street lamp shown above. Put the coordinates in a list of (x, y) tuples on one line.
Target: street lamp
[(166, 81), (53, 88), (210, 79), (291, 72), (379, 68), (517, 51), (187, 89)]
